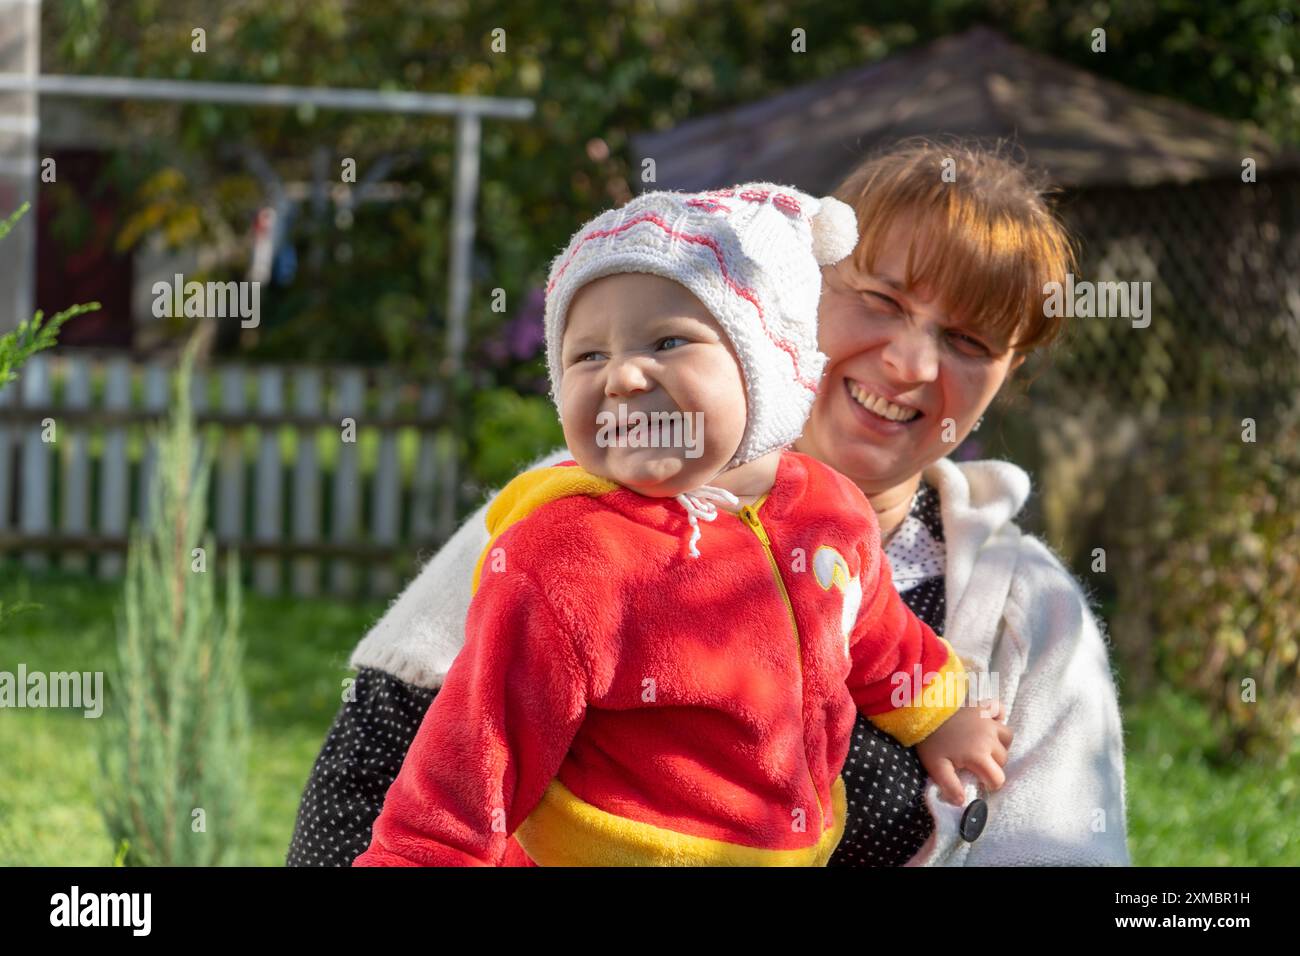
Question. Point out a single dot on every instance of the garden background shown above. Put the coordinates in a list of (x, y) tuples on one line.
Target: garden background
[(1135, 438)]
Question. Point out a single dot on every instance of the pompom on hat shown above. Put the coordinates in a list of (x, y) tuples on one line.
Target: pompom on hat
[(751, 254)]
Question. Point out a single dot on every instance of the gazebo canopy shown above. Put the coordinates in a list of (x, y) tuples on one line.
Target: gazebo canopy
[(1085, 130)]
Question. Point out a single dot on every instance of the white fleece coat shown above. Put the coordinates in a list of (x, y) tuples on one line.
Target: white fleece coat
[(1014, 614)]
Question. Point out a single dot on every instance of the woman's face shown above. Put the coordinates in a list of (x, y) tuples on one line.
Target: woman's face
[(923, 377)]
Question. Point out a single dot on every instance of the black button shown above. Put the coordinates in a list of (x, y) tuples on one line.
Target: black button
[(973, 820)]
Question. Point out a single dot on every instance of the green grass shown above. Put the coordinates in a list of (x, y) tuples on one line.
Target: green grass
[(1182, 809), (295, 661)]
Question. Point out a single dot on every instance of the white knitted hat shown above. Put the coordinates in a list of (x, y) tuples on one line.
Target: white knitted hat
[(751, 254)]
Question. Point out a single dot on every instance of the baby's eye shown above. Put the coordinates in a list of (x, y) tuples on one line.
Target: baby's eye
[(671, 338), (586, 355), (884, 303)]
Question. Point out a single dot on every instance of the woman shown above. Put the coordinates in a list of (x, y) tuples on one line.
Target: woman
[(923, 324)]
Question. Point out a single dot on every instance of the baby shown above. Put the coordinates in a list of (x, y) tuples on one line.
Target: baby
[(672, 633)]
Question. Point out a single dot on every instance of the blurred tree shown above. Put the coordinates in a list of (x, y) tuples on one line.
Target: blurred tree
[(174, 752), (35, 334), (17, 347), (370, 287)]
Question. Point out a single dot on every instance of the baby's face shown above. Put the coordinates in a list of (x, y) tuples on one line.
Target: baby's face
[(646, 343)]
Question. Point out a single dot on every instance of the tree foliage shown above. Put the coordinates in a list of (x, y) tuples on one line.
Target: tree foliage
[(373, 288), (175, 749)]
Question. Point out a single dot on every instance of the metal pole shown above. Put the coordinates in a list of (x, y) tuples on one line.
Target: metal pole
[(20, 47), (256, 94), (464, 196)]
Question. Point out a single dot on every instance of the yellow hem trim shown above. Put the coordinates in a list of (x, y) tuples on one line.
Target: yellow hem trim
[(564, 830)]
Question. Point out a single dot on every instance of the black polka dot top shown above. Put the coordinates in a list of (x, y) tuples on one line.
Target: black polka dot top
[(887, 818), (888, 821)]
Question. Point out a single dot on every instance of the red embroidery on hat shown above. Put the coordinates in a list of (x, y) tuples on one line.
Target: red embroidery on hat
[(786, 203), (755, 195), (708, 205), (711, 243)]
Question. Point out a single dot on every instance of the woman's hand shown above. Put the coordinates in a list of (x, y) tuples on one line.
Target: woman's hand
[(974, 739)]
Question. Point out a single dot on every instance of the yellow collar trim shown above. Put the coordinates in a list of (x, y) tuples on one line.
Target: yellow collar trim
[(528, 492)]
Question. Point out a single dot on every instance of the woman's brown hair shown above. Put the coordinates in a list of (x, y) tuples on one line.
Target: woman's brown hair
[(985, 238)]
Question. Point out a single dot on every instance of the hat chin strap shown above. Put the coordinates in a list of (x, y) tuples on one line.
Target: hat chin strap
[(701, 504)]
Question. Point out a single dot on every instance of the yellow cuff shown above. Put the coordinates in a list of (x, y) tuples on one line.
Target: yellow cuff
[(938, 701)]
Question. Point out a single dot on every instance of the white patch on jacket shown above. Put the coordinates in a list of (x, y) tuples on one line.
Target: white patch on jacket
[(831, 570)]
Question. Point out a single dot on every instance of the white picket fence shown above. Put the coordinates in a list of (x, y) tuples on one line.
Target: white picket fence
[(76, 458)]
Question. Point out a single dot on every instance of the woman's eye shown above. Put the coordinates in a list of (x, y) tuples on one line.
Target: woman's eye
[(671, 338), (971, 346)]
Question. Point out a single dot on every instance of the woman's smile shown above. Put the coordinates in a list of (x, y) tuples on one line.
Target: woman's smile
[(877, 413)]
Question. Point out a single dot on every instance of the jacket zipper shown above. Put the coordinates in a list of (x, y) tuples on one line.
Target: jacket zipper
[(749, 515)]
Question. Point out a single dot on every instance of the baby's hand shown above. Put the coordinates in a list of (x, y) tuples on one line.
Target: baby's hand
[(974, 739)]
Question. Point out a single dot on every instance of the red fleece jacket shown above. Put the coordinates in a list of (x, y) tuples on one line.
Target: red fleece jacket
[(618, 702)]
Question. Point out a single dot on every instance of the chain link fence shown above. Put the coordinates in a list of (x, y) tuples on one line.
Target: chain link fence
[(1223, 263), (1222, 259)]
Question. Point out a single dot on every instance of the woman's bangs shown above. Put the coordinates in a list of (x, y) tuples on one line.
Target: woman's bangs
[(980, 271)]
